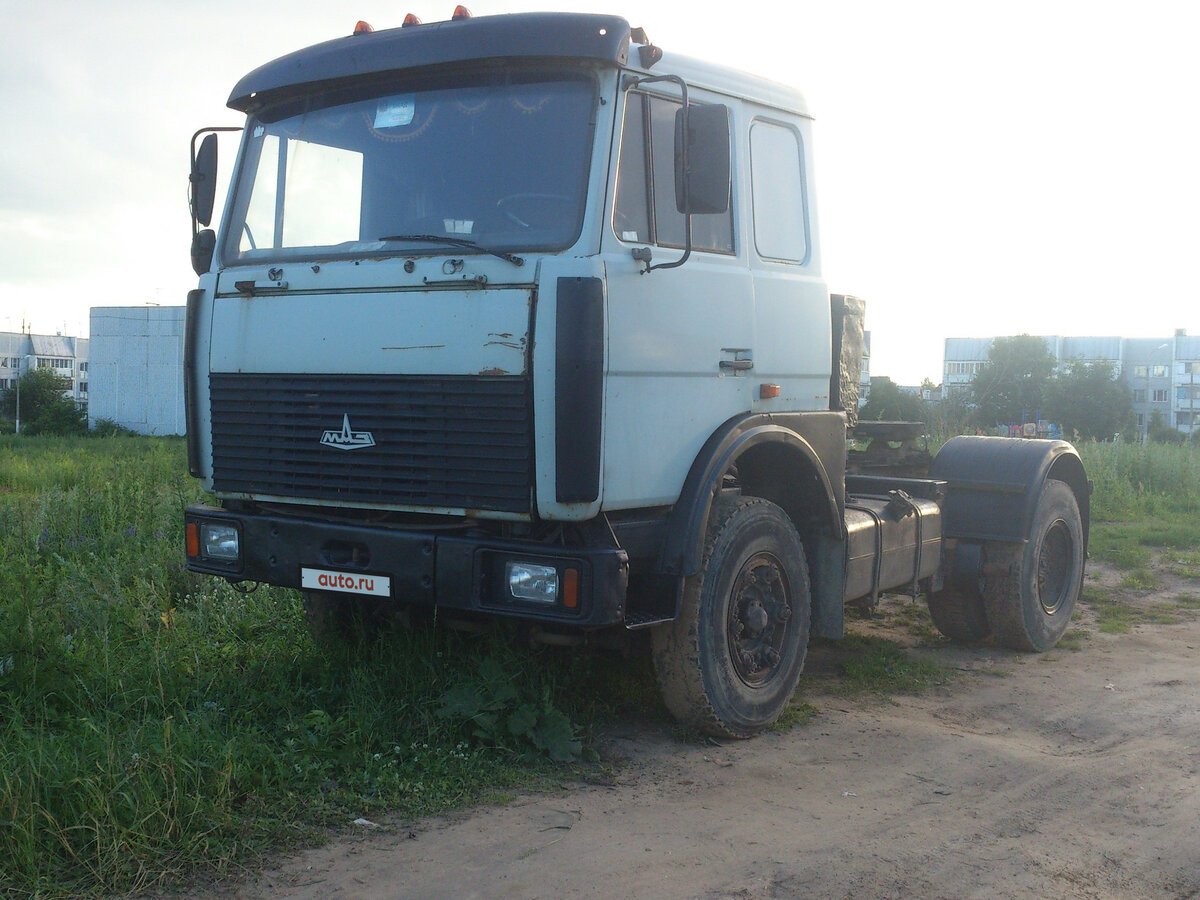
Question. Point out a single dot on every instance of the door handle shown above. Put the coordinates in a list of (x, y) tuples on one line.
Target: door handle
[(737, 365)]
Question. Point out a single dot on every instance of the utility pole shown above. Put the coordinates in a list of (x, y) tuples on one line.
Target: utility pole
[(17, 427), (26, 359)]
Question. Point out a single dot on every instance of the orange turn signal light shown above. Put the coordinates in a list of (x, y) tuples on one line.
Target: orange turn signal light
[(192, 538), (363, 27), (768, 391), (461, 12), (570, 588)]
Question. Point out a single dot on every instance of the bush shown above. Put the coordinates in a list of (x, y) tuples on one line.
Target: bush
[(1159, 432), (109, 428)]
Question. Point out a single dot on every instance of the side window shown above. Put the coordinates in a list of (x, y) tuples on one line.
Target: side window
[(631, 217), (645, 204), (777, 185)]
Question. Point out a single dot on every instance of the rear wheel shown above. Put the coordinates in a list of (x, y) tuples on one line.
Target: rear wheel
[(958, 609), (1031, 590), (958, 615), (729, 663)]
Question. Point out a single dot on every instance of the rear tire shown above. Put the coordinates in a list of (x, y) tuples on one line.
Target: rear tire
[(729, 663), (1031, 590), (959, 616)]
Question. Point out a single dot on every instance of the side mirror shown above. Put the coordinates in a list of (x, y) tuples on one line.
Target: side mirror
[(203, 181), (203, 244), (704, 131)]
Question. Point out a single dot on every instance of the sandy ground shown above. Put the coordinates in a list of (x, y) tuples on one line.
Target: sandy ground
[(1073, 774)]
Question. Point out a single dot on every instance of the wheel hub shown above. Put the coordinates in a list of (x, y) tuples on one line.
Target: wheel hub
[(759, 609), (1054, 567)]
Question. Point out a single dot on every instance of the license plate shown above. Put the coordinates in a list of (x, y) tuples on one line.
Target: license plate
[(345, 582)]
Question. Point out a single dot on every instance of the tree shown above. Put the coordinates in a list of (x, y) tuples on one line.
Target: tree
[(888, 403), (1086, 398), (44, 409), (1009, 387)]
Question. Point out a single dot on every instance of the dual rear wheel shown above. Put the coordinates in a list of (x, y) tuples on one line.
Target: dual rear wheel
[(1027, 592)]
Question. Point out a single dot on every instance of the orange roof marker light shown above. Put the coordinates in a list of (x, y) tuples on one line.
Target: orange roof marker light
[(461, 12), (363, 27), (411, 19)]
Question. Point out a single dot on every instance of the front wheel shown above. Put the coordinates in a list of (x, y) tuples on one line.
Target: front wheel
[(729, 663)]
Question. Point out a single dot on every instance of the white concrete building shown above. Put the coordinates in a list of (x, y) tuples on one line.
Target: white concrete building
[(137, 368)]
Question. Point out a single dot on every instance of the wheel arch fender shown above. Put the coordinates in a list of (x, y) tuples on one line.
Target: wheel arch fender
[(994, 484), (778, 461)]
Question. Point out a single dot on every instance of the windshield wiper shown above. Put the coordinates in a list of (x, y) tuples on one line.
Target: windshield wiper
[(455, 242)]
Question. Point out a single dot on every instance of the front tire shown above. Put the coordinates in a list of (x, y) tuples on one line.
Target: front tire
[(729, 663), (1031, 590)]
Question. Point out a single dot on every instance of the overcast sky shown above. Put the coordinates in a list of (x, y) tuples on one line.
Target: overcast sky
[(981, 168)]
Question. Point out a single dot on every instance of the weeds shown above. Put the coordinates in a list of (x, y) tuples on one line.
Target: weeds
[(153, 722)]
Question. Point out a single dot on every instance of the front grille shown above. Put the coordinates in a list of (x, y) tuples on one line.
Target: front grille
[(450, 441)]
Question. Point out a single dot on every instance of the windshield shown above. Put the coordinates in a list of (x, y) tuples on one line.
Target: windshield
[(497, 161)]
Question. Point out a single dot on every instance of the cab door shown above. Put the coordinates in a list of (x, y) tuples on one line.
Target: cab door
[(680, 340)]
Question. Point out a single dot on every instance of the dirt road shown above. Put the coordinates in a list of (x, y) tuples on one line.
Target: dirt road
[(1071, 774)]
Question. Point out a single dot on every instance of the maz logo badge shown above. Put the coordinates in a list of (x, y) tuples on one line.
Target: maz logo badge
[(346, 439)]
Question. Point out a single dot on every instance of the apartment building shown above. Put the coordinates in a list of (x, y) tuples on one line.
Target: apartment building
[(67, 356), (1162, 374)]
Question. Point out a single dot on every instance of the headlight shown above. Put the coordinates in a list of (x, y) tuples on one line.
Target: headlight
[(528, 581), (219, 541)]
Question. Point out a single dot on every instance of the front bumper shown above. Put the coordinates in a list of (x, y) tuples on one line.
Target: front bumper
[(452, 572)]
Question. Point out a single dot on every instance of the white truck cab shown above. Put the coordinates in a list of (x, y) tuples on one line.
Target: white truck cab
[(521, 316)]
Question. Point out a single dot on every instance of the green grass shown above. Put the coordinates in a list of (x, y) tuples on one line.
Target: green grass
[(1114, 615), (1182, 563), (153, 722), (915, 619), (798, 713), (1113, 543), (1155, 486), (1145, 511), (1140, 580), (874, 665), (1073, 639)]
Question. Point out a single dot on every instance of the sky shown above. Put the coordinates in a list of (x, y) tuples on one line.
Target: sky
[(981, 168)]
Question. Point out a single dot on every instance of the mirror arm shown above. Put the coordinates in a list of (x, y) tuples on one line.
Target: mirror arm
[(687, 219)]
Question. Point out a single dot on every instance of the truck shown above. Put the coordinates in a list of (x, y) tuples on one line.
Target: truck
[(522, 317)]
